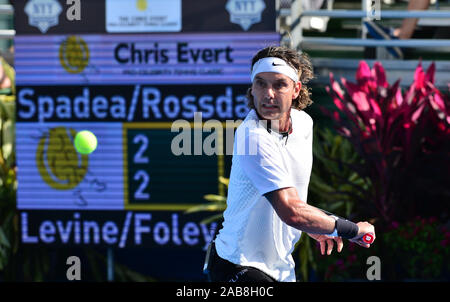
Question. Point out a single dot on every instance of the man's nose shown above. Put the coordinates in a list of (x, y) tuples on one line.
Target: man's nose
[(269, 93)]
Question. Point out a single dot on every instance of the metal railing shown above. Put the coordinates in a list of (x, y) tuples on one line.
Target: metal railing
[(346, 67), (377, 43), (388, 14), (300, 40), (8, 10)]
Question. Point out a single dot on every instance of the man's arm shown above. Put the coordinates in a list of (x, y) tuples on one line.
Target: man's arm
[(298, 214)]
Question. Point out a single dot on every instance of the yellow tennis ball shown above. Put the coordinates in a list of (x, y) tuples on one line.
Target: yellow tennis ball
[(85, 142)]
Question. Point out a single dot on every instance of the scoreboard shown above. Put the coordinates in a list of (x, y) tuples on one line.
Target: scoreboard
[(162, 85)]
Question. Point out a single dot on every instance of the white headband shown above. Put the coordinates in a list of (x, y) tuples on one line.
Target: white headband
[(273, 64)]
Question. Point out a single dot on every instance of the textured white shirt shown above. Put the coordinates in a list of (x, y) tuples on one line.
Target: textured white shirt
[(253, 234)]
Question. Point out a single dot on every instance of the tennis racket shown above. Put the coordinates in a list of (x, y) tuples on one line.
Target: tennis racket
[(368, 238)]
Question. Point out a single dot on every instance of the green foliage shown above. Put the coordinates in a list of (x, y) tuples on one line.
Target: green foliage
[(306, 261), (334, 186), (9, 230), (219, 204), (427, 244), (27, 263), (416, 250), (10, 73), (122, 273)]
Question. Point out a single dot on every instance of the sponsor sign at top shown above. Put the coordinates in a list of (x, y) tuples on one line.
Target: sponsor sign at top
[(143, 16)]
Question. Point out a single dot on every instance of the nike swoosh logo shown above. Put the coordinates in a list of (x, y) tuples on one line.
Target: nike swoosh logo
[(273, 64)]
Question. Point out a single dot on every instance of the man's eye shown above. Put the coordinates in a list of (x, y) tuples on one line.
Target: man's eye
[(280, 85)]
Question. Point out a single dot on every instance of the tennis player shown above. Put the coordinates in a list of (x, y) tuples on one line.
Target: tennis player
[(266, 206)]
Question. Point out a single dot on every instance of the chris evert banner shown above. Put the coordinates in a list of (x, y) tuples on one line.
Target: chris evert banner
[(131, 59)]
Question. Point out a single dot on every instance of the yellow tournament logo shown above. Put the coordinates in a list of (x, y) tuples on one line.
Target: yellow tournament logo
[(59, 164), (74, 54), (141, 5)]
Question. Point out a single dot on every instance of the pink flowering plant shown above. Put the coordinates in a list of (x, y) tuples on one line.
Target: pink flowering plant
[(403, 138)]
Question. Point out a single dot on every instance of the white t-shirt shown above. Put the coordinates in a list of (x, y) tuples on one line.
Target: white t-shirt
[(253, 234)]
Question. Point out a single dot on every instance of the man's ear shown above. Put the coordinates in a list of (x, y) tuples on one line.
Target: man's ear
[(251, 96), (297, 89)]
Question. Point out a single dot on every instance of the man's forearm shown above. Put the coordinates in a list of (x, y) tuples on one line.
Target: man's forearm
[(311, 220), (298, 214), (342, 227)]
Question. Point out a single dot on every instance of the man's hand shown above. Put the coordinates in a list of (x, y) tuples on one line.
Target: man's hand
[(364, 228), (325, 240)]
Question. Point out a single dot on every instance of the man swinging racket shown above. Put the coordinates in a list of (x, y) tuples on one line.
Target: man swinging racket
[(266, 205)]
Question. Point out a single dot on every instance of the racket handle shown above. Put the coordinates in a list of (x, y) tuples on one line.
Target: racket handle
[(368, 238)]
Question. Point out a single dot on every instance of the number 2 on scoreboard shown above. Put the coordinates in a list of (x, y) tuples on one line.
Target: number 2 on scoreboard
[(139, 193), (139, 158), (141, 175)]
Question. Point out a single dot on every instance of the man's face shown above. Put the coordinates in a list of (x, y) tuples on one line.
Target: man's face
[(273, 94)]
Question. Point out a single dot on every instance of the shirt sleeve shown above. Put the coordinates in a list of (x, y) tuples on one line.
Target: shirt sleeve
[(265, 167)]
